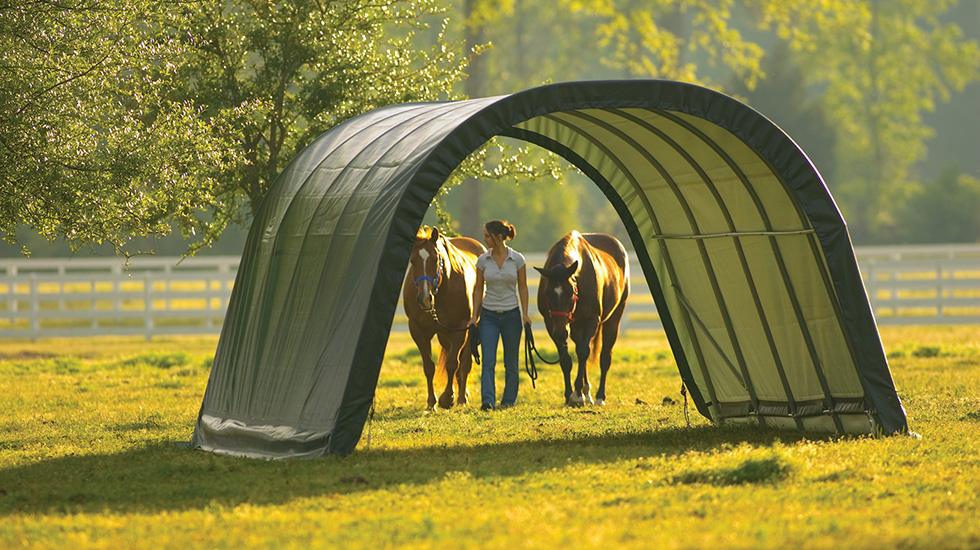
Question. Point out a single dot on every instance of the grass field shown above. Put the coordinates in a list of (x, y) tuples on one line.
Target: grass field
[(90, 457)]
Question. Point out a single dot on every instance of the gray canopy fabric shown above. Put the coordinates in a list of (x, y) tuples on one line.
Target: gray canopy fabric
[(741, 243)]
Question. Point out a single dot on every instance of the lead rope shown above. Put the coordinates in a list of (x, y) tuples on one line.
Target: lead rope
[(529, 366), (435, 318), (474, 338), (529, 351)]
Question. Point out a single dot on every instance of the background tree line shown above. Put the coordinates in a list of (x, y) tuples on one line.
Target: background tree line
[(124, 121)]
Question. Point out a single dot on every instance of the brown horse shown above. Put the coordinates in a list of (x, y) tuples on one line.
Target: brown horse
[(437, 297), (583, 291)]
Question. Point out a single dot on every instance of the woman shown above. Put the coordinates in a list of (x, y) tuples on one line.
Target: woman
[(500, 307)]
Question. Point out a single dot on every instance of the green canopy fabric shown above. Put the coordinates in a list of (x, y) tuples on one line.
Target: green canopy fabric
[(745, 252)]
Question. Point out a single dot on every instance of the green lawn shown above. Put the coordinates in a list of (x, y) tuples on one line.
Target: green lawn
[(91, 457)]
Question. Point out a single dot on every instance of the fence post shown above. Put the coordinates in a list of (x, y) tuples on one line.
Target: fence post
[(939, 290), (148, 306), (35, 309), (871, 284), (94, 303)]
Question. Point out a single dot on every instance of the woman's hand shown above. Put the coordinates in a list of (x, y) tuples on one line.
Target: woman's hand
[(473, 320)]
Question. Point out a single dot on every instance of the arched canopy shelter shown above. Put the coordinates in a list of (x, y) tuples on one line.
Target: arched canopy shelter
[(744, 250)]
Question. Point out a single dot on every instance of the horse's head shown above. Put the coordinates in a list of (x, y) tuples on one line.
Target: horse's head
[(560, 291), (426, 267)]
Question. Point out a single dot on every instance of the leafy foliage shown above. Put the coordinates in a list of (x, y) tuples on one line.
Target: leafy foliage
[(784, 98), (881, 65), (661, 41), (291, 70), (124, 118), (92, 148), (946, 210)]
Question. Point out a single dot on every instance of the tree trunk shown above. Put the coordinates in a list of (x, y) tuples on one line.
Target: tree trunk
[(471, 221)]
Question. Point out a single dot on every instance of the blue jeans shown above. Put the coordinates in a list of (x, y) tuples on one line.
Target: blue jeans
[(494, 326)]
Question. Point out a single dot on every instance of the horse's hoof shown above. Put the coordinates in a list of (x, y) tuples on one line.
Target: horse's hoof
[(600, 402)]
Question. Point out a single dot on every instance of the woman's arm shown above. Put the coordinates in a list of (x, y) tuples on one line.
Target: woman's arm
[(477, 298), (522, 291)]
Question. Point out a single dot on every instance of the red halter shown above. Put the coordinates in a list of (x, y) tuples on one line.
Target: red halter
[(571, 313)]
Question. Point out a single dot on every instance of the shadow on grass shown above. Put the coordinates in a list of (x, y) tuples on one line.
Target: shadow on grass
[(169, 476)]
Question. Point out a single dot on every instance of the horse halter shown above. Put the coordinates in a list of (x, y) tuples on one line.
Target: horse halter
[(571, 313), (437, 280)]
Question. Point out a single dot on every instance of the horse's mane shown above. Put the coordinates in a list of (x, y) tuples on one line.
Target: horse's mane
[(567, 248), (457, 260)]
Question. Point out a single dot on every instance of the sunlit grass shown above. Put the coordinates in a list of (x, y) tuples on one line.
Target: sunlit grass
[(90, 457)]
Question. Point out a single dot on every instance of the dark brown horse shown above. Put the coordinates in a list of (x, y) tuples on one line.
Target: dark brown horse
[(583, 291), (437, 297)]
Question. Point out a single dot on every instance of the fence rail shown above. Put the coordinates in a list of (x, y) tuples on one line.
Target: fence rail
[(923, 284), (84, 297), (155, 296)]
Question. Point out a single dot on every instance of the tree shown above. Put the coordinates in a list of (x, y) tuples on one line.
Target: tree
[(291, 70), (944, 211), (91, 148), (881, 64), (473, 18), (672, 39), (782, 96), (123, 118)]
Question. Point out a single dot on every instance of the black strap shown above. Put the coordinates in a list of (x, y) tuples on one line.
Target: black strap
[(474, 334), (529, 347)]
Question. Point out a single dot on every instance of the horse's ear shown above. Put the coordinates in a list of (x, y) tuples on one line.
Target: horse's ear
[(542, 271), (434, 236)]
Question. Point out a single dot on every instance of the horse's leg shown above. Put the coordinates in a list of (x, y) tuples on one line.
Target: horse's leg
[(465, 360), (609, 333), (423, 341), (583, 338), (596, 345), (447, 360), (559, 335), (459, 360), (582, 350)]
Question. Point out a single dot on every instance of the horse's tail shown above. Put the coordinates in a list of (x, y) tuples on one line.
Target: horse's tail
[(439, 380), (464, 363), (595, 350)]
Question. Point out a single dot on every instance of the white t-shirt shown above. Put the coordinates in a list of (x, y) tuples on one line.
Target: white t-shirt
[(501, 282)]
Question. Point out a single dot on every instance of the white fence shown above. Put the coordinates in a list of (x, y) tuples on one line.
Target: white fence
[(96, 296), (157, 296), (923, 284)]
